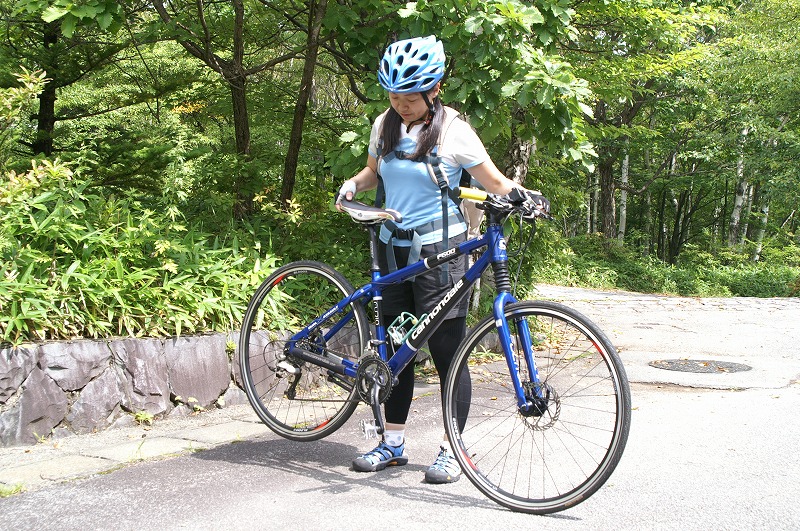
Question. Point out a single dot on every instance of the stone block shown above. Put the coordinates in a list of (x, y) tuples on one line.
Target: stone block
[(73, 364), (93, 411), (143, 374), (41, 407), (16, 363), (198, 367), (233, 397)]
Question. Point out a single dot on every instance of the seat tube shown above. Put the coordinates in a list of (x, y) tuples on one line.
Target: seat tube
[(377, 295)]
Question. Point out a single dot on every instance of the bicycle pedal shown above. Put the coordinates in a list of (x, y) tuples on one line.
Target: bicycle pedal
[(369, 429)]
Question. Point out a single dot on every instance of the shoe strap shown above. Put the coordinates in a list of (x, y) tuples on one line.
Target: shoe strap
[(444, 460), (383, 452)]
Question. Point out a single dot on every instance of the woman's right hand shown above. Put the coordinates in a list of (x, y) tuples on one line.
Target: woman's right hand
[(347, 191)]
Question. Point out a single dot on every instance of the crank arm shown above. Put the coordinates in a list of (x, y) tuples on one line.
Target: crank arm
[(376, 407)]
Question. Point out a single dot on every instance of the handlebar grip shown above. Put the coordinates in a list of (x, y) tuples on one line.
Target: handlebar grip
[(473, 194)]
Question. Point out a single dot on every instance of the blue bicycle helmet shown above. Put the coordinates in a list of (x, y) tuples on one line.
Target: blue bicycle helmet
[(412, 65)]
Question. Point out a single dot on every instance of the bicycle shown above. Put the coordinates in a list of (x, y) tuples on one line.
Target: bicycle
[(549, 408)]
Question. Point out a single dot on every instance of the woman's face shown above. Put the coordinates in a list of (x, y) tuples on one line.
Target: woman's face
[(412, 107)]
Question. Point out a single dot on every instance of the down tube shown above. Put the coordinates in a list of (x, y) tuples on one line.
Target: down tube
[(423, 331)]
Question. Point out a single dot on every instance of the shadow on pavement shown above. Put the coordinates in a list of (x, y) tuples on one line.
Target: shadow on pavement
[(324, 467)]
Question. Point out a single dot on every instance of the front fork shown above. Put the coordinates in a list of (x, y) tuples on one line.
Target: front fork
[(531, 395)]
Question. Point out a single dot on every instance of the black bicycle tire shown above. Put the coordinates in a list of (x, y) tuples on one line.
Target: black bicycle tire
[(618, 438), (362, 327)]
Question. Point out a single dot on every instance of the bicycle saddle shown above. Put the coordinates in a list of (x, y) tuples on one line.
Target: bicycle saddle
[(369, 214)]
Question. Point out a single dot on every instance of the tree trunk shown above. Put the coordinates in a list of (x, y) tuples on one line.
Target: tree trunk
[(662, 227), (242, 183), (675, 240), (594, 201), (734, 227), (747, 207), (761, 229), (316, 14), (46, 118), (647, 246), (518, 155), (607, 203), (623, 199)]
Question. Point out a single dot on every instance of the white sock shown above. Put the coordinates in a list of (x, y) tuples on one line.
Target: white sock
[(394, 437), (447, 447)]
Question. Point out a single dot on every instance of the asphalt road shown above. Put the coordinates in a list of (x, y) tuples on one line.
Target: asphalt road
[(713, 450)]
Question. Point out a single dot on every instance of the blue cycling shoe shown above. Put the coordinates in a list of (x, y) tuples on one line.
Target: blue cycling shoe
[(444, 470), (381, 457)]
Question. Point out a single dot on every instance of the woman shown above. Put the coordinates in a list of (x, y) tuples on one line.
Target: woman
[(402, 141)]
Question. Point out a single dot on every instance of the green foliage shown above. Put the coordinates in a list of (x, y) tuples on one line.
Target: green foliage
[(310, 228), (77, 263), (107, 14), (671, 85), (143, 418), (590, 262), (14, 101), (10, 490), (502, 58)]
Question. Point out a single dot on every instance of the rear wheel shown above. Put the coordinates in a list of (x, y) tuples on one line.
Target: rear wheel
[(296, 399), (553, 456)]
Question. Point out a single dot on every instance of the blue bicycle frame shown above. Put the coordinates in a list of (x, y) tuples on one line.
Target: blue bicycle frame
[(495, 255)]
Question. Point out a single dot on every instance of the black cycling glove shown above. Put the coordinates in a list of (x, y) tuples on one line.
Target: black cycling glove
[(541, 203)]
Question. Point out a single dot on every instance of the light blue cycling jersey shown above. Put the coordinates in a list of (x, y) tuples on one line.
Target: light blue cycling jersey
[(408, 186)]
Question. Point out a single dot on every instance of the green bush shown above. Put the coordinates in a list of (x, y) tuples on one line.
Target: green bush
[(76, 263), (700, 273), (759, 280), (310, 228)]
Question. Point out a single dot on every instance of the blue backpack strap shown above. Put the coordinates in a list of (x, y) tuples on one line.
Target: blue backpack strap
[(434, 161), (380, 193)]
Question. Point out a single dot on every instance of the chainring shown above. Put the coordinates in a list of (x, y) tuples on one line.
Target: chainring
[(371, 371)]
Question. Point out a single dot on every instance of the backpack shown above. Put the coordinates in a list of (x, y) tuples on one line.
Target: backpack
[(469, 213)]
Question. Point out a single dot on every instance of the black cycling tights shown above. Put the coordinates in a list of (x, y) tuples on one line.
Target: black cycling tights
[(442, 345)]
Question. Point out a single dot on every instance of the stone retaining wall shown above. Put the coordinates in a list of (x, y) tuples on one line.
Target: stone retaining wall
[(61, 388)]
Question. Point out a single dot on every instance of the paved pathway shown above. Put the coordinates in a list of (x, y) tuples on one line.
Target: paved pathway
[(761, 333)]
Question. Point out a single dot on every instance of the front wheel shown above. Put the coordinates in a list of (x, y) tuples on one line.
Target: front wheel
[(550, 457), (294, 398)]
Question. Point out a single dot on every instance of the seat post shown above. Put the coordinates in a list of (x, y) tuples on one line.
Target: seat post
[(373, 246)]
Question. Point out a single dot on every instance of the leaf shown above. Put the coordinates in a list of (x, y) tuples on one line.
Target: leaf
[(348, 136), (53, 13), (473, 25), (68, 25)]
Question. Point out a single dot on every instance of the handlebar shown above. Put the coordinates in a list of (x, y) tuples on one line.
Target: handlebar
[(515, 201)]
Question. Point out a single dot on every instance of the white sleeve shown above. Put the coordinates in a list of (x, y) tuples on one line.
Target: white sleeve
[(375, 135), (462, 146)]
